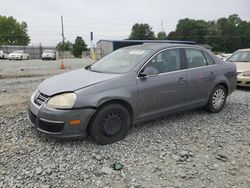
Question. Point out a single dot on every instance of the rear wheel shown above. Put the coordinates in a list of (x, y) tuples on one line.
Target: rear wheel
[(110, 124), (217, 99)]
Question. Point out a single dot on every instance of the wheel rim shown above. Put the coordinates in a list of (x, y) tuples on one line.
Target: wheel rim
[(218, 98), (111, 124)]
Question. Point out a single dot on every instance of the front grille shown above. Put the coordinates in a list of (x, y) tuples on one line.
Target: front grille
[(41, 98), (238, 82), (247, 83), (32, 117), (51, 127)]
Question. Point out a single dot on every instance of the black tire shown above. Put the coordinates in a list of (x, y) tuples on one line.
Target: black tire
[(110, 124), (217, 99)]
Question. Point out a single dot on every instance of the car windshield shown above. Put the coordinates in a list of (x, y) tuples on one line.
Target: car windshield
[(48, 51), (17, 52), (240, 56), (120, 61)]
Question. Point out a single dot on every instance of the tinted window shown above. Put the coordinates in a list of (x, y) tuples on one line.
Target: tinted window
[(195, 58), (209, 59), (166, 61)]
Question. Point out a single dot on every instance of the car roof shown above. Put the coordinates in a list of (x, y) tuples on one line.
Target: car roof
[(246, 49), (157, 46)]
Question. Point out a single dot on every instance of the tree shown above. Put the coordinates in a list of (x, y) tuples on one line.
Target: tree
[(79, 46), (162, 35), (66, 47), (13, 32), (225, 34), (189, 29), (141, 32)]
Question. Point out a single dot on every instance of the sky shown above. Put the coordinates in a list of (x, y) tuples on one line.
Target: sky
[(112, 19)]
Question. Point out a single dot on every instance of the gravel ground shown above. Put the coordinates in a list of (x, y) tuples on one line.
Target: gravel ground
[(192, 149)]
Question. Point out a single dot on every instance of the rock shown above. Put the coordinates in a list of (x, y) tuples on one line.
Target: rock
[(38, 171), (222, 157), (184, 154), (158, 141), (106, 170), (68, 157), (182, 174), (233, 162), (49, 171), (98, 157), (177, 158), (3, 172)]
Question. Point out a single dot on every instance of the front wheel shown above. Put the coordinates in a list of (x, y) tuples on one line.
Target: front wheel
[(111, 124), (217, 99)]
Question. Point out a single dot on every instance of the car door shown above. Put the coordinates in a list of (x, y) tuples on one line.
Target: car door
[(201, 75), (166, 90)]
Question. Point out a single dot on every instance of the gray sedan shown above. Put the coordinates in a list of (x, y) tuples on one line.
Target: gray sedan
[(130, 85)]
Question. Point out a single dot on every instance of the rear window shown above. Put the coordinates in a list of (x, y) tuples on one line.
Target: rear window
[(209, 59), (48, 51), (195, 58)]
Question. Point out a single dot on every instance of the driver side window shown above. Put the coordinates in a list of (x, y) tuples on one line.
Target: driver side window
[(166, 61)]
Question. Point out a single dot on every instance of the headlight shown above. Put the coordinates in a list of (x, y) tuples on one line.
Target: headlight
[(34, 95), (247, 73), (62, 101)]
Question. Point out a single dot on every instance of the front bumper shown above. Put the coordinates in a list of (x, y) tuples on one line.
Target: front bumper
[(55, 123), (243, 81), (15, 57)]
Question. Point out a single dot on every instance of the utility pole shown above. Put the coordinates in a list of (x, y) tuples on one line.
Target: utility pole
[(62, 64), (162, 25)]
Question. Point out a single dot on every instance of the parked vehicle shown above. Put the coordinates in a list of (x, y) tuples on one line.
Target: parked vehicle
[(242, 60), (49, 55), (223, 56), (132, 84), (18, 55), (3, 55)]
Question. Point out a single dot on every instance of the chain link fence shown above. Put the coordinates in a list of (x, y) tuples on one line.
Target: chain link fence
[(35, 52)]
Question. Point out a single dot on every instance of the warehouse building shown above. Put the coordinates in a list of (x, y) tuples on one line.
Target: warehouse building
[(104, 47)]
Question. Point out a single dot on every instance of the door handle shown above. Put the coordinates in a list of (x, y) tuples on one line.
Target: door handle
[(181, 80), (212, 75)]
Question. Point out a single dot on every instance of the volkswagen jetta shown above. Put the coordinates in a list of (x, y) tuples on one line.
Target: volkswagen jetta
[(132, 84)]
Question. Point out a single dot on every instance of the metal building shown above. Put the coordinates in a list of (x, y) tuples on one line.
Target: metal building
[(104, 47)]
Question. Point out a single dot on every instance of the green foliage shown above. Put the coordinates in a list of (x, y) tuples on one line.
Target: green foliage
[(141, 32), (225, 34), (162, 35), (66, 47), (79, 46), (189, 29), (13, 32)]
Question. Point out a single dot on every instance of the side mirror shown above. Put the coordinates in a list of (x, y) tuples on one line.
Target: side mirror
[(149, 71)]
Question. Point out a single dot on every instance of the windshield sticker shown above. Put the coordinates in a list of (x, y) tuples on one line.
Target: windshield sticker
[(137, 52)]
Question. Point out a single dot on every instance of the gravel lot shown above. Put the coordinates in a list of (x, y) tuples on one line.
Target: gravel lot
[(192, 149)]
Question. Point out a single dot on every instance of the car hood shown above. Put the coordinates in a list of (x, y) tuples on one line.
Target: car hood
[(242, 67), (14, 54), (72, 81)]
